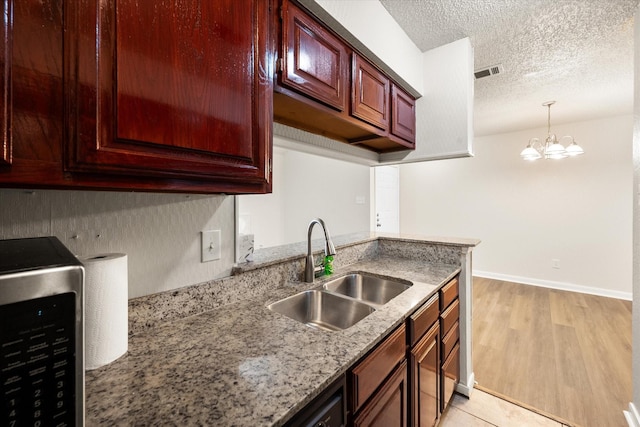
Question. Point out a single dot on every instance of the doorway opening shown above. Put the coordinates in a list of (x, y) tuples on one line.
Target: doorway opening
[(387, 195)]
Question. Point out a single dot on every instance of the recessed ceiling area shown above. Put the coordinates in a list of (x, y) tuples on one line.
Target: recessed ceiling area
[(576, 52)]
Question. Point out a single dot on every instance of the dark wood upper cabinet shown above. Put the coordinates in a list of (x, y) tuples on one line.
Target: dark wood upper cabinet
[(403, 114), (315, 61), (31, 144), (325, 86), (130, 95), (370, 98), (175, 90), (5, 83)]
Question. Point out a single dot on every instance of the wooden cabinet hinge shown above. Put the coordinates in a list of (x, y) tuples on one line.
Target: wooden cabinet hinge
[(279, 65)]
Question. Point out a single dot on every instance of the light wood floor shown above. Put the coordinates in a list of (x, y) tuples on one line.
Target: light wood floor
[(565, 353)]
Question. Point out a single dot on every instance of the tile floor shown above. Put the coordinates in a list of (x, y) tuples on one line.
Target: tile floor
[(486, 410)]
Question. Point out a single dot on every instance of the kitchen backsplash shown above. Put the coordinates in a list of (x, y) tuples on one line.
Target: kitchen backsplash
[(160, 233)]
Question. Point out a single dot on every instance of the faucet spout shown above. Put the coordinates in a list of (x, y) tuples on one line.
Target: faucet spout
[(329, 249)]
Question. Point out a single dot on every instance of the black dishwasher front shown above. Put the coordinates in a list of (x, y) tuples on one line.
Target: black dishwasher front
[(326, 410)]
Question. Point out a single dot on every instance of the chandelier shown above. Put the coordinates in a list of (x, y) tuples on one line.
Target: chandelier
[(552, 148)]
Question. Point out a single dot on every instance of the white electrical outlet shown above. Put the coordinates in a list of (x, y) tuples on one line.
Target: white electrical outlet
[(555, 263), (210, 245)]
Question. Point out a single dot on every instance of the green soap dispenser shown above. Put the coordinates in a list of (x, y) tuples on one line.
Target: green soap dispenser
[(328, 264)]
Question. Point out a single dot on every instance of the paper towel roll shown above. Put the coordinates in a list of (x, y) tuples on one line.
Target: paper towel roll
[(105, 308)]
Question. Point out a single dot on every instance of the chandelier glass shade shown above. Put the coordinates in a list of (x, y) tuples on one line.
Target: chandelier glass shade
[(552, 147)]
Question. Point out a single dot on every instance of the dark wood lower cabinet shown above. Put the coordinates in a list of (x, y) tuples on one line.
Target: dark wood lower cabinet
[(424, 367), (388, 407), (408, 379), (450, 345)]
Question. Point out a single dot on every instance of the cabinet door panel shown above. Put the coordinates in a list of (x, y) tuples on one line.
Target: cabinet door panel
[(425, 380), (388, 408), (403, 116), (168, 89), (315, 61), (422, 320), (165, 72), (31, 88), (370, 99), (450, 376), (6, 82), (450, 340), (370, 372), (450, 316), (448, 293)]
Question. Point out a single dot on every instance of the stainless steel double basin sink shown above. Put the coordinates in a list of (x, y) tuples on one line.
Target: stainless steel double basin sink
[(342, 302)]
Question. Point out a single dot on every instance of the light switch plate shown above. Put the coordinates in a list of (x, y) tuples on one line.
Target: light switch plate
[(210, 245)]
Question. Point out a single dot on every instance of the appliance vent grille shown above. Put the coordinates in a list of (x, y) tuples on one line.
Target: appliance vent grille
[(489, 71)]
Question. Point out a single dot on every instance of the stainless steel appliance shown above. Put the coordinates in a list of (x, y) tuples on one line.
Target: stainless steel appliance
[(41, 334)]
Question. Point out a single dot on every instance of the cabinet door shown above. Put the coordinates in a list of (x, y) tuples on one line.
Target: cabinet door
[(450, 376), (450, 316), (172, 89), (370, 98), (315, 62), (424, 366), (388, 407), (371, 371), (420, 322), (403, 115), (448, 293), (5, 83), (31, 90)]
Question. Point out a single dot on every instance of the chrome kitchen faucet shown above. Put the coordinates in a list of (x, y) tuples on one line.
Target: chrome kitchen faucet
[(310, 267)]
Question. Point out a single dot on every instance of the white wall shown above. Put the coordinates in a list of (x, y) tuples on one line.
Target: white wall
[(444, 115), (160, 233), (577, 210), (306, 186), (263, 215), (372, 24)]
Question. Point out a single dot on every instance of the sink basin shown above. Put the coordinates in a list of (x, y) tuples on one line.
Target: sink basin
[(367, 288), (322, 310)]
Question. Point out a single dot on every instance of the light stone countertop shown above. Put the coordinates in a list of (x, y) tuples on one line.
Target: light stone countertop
[(241, 364)]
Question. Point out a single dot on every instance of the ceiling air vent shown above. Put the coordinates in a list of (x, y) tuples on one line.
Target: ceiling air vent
[(489, 71)]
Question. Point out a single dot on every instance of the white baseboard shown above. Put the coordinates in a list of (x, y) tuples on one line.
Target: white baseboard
[(632, 416), (467, 389), (556, 285)]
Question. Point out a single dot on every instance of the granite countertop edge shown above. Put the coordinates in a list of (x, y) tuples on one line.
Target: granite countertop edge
[(266, 257)]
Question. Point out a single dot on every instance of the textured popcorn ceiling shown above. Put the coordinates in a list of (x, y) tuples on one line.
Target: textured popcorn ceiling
[(576, 52)]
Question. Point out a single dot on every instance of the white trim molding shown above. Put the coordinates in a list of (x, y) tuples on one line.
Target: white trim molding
[(632, 416), (467, 389), (465, 281), (562, 286)]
